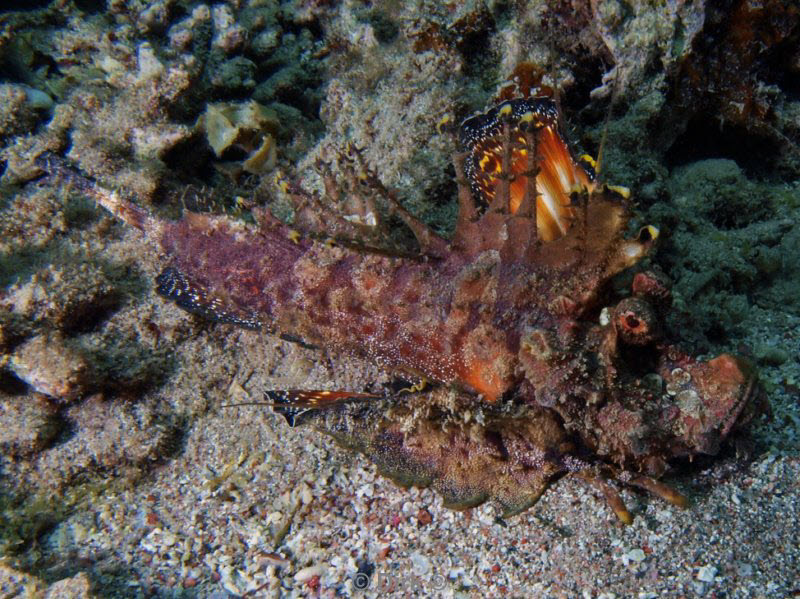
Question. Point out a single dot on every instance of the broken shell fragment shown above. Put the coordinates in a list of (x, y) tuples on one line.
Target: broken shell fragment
[(249, 126)]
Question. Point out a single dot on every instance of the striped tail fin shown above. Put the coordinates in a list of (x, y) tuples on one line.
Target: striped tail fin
[(294, 404)]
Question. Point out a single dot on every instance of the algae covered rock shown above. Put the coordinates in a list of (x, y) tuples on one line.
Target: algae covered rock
[(21, 108), (49, 366), (29, 424), (728, 247)]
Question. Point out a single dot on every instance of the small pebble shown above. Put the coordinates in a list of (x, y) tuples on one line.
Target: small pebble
[(189, 582), (636, 555), (744, 570), (309, 572), (424, 517), (420, 563), (706, 574)]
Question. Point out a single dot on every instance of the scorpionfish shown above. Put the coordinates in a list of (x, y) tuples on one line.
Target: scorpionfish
[(533, 366)]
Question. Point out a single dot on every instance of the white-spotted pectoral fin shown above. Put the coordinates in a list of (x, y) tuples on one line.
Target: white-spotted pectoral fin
[(192, 297)]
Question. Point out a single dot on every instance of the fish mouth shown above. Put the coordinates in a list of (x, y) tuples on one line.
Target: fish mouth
[(713, 399)]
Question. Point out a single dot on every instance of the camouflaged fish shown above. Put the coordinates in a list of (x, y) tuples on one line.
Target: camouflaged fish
[(534, 368)]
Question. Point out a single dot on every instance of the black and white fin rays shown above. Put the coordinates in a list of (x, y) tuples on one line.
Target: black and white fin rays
[(194, 298)]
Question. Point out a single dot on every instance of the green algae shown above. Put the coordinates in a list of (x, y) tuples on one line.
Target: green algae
[(726, 242)]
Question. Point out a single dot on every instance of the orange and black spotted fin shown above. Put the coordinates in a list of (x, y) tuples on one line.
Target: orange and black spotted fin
[(192, 297), (294, 404), (557, 172)]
